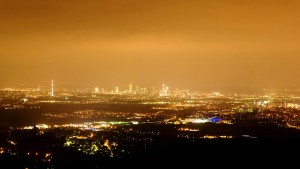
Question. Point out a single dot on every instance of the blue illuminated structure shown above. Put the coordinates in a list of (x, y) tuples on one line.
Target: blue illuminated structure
[(215, 120)]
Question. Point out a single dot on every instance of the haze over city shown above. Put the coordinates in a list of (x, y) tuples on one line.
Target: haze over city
[(187, 44)]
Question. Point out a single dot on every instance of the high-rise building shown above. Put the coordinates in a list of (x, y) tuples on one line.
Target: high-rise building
[(52, 88), (164, 91), (96, 89), (130, 88), (117, 90)]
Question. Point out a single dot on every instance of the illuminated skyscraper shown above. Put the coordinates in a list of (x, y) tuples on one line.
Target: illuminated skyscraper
[(52, 88), (130, 88), (96, 89), (164, 91), (117, 90)]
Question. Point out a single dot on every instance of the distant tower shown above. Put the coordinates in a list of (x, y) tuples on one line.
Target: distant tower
[(130, 88), (52, 88)]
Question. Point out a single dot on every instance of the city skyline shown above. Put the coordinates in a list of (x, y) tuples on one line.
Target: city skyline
[(190, 44), (131, 86)]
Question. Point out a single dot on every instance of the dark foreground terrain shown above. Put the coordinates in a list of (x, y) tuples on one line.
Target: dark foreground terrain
[(279, 148)]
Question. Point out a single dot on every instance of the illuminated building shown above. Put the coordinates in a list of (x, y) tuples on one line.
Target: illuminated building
[(196, 120), (52, 88), (117, 90), (130, 88), (164, 91), (96, 89), (215, 120), (292, 105)]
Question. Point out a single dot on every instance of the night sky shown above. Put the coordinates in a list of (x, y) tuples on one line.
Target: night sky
[(183, 43)]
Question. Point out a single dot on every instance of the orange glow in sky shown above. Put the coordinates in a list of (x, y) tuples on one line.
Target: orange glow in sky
[(191, 44)]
